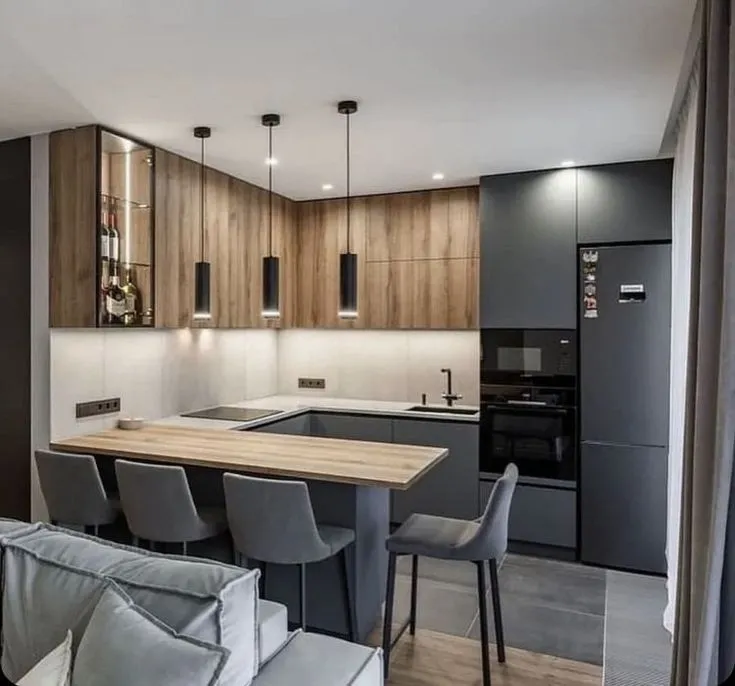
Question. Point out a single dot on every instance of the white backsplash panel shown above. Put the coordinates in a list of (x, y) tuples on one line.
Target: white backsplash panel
[(156, 373), (380, 365)]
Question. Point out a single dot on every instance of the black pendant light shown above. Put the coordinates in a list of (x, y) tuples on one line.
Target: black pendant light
[(347, 260), (270, 309), (202, 275)]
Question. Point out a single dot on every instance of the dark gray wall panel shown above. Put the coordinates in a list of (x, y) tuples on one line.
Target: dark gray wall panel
[(623, 506), (625, 202), (15, 345), (543, 516), (450, 489), (528, 248)]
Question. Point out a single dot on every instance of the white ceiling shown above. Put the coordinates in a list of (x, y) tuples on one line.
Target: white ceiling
[(465, 87)]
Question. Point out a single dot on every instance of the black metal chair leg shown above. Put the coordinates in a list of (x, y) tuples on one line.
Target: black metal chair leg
[(302, 594), (388, 615), (497, 613), (414, 593), (96, 530), (484, 639), (348, 598), (184, 549), (263, 566)]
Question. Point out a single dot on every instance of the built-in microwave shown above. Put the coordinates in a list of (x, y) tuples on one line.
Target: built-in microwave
[(527, 353)]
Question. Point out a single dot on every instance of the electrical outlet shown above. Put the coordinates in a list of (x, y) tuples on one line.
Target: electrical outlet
[(311, 383), (94, 408)]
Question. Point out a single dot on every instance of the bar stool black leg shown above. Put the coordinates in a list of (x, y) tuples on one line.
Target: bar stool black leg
[(388, 615), (348, 599), (497, 613), (414, 592), (482, 598), (263, 576), (302, 594)]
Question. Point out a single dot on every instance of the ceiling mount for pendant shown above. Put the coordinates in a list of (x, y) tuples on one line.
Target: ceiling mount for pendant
[(348, 259), (202, 270), (271, 268)]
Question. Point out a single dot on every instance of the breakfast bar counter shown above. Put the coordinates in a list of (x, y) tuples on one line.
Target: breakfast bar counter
[(349, 484)]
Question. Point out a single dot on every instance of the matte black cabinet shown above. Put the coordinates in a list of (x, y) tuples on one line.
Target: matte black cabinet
[(450, 488), (619, 203), (352, 427), (540, 516), (528, 250)]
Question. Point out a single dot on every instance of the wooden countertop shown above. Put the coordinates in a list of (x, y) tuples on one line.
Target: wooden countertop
[(389, 465)]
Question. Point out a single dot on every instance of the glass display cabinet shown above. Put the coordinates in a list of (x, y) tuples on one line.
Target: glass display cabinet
[(125, 231)]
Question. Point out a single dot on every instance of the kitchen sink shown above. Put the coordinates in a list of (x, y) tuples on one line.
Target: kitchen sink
[(442, 410)]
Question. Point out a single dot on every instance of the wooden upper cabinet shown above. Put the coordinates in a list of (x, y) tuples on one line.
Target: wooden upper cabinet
[(100, 225), (235, 242), (418, 260), (73, 228)]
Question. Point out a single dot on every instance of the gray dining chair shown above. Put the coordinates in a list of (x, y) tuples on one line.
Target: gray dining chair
[(73, 491), (159, 508), (272, 521), (480, 541)]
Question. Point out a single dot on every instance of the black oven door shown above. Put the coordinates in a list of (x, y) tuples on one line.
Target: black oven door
[(539, 439)]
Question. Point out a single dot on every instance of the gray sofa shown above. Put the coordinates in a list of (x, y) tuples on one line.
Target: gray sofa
[(52, 579)]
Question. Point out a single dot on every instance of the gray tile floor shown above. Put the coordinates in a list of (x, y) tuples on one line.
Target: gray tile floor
[(550, 607)]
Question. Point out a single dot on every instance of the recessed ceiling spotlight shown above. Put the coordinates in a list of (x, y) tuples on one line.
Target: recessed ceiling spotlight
[(567, 163), (271, 161), (438, 176), (327, 187)]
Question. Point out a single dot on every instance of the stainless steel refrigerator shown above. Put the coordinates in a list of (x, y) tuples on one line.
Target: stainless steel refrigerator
[(624, 342)]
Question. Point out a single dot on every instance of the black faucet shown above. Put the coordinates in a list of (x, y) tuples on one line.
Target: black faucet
[(448, 395)]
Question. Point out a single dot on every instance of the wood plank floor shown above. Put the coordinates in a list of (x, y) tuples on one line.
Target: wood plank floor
[(433, 659)]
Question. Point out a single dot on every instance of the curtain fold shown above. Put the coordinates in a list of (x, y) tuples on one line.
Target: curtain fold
[(681, 257), (703, 618)]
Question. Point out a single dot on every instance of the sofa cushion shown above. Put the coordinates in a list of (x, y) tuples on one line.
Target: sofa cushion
[(272, 628), (316, 660), (124, 645), (12, 527), (53, 579), (52, 670)]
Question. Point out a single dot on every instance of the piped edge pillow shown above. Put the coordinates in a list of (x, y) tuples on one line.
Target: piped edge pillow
[(123, 645)]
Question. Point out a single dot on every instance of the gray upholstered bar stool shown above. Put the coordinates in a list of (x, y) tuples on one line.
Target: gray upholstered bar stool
[(159, 507), (485, 539), (272, 521), (73, 491)]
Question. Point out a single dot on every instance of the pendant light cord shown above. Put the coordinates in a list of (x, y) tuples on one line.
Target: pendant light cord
[(203, 199), (270, 191), (347, 199)]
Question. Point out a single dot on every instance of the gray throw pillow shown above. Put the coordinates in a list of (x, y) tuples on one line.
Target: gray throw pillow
[(124, 645)]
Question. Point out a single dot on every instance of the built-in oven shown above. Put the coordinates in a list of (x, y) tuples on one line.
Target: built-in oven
[(528, 404)]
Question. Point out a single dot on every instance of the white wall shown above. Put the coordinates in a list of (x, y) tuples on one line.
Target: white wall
[(380, 365), (156, 373)]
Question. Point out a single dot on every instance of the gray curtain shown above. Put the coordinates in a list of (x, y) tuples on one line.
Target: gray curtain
[(704, 648)]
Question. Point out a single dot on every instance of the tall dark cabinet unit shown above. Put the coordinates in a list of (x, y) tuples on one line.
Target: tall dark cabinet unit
[(624, 203), (15, 343), (528, 250)]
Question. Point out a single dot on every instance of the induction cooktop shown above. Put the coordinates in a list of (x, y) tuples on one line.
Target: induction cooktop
[(232, 414)]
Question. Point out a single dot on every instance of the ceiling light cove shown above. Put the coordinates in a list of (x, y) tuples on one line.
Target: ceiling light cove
[(327, 187), (437, 176), (568, 163)]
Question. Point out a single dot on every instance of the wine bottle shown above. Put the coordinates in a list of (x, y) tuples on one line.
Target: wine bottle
[(105, 245), (114, 237), (132, 299), (115, 297)]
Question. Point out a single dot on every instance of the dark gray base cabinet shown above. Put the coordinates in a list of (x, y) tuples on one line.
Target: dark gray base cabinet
[(300, 425), (450, 489), (541, 516), (352, 427)]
